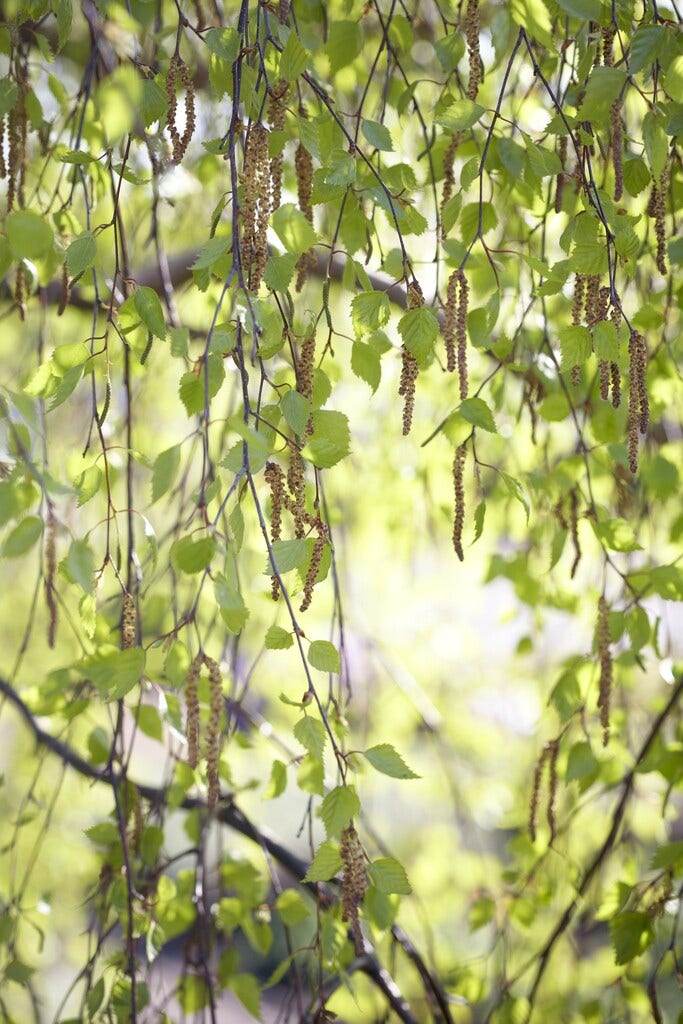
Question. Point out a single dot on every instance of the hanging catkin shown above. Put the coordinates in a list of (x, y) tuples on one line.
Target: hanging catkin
[(192, 710), (459, 488), (473, 53), (213, 732), (178, 71), (605, 689), (354, 883)]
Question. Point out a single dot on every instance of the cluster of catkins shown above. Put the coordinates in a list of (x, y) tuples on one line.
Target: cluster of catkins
[(213, 728)]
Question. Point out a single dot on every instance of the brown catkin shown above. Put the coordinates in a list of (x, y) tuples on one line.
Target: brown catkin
[(276, 116), (449, 174), (406, 387), (296, 480), (579, 298), (50, 570), (605, 687), (179, 72), (304, 375), (459, 489), (574, 530), (192, 710), (643, 402), (593, 300), (303, 165), (614, 367), (354, 883), (473, 53), (536, 792), (461, 333), (633, 412), (275, 479), (553, 750), (138, 821), (260, 253), (449, 321), (213, 730), (409, 366), (659, 205), (128, 622), (316, 558), (3, 165), (604, 376), (256, 205)]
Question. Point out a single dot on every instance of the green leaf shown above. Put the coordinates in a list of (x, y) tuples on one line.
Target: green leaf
[(324, 656), (293, 59), (617, 535), (419, 329), (293, 230), (211, 252), (388, 761), (584, 9), (331, 439), (533, 17), (515, 489), (365, 363), (310, 732), (278, 781), (149, 722), (248, 991), (338, 808), (602, 89), (279, 271), (632, 933), (234, 611), (460, 115), (81, 254), (477, 412), (636, 175), (606, 341), (292, 907), (23, 537), (288, 555), (30, 236), (296, 410), (581, 763), (576, 346), (656, 143), (344, 43), (148, 307), (646, 46), (224, 42), (166, 466), (378, 135), (190, 556), (389, 876), (278, 639), (325, 865), (8, 95), (114, 673), (80, 565), (669, 855), (192, 385), (369, 312)]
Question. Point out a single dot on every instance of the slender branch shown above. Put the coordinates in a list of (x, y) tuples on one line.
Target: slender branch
[(227, 813), (600, 856)]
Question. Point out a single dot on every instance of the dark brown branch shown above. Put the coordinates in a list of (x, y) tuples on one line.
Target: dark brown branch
[(231, 816), (600, 856)]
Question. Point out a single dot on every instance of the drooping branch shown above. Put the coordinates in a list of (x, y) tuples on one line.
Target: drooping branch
[(228, 814), (627, 783)]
